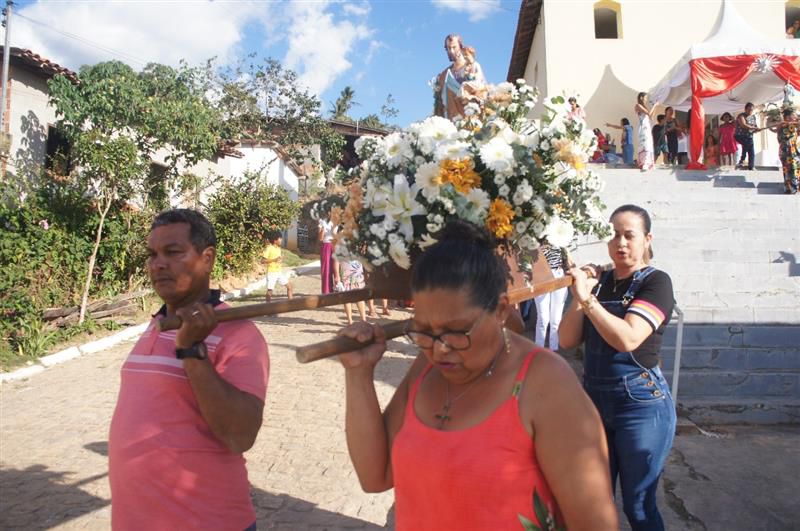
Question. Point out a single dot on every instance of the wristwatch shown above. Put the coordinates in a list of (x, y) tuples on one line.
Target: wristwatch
[(197, 351)]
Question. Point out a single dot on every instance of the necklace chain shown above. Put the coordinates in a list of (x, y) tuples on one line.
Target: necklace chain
[(444, 416)]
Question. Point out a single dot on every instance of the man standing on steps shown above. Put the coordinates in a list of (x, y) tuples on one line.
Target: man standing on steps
[(190, 401), (745, 127)]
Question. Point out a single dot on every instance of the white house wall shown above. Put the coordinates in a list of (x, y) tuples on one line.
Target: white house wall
[(28, 120)]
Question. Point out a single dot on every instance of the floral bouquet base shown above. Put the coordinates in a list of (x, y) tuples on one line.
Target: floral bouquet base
[(390, 281)]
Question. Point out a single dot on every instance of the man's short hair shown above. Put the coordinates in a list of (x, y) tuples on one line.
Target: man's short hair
[(660, 117), (201, 232)]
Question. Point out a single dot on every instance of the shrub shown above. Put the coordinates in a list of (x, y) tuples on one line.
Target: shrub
[(44, 242), (242, 213)]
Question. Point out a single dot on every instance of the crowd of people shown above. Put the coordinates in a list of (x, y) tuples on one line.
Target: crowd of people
[(729, 145)]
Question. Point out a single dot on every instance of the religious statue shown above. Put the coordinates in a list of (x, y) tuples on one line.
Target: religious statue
[(789, 96), (459, 83)]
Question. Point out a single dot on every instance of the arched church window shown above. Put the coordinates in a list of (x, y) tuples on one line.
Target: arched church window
[(607, 20)]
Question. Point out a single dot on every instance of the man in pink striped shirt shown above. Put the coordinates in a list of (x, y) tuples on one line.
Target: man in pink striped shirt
[(190, 401)]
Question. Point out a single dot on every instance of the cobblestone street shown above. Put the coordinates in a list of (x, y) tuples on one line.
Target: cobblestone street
[(55, 426)]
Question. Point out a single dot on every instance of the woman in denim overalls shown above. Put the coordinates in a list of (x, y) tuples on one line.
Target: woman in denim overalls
[(622, 336)]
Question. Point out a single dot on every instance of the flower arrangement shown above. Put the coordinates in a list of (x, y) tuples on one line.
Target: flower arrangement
[(526, 181)]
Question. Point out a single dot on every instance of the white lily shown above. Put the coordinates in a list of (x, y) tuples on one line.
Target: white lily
[(401, 206)]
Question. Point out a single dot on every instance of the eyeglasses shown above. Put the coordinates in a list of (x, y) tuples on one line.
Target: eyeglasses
[(451, 340)]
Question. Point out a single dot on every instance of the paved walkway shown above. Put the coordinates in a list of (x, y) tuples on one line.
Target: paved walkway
[(53, 433)]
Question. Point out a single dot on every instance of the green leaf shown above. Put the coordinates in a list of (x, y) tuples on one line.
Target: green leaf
[(527, 524), (540, 509)]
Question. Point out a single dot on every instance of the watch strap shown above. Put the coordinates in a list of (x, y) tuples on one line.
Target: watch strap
[(197, 351)]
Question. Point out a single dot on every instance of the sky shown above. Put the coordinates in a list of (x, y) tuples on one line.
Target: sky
[(378, 47)]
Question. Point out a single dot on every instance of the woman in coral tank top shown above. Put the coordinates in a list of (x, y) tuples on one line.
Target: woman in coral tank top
[(486, 431)]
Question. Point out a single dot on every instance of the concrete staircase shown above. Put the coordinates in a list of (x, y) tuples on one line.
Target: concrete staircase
[(731, 243)]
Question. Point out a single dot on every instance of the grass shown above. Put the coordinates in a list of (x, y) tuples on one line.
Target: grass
[(35, 340), (291, 259)]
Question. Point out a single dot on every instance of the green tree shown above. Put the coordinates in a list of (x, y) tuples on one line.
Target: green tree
[(262, 100), (117, 119), (372, 120), (341, 107), (242, 213)]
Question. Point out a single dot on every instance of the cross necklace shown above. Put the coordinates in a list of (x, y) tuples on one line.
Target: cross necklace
[(444, 416)]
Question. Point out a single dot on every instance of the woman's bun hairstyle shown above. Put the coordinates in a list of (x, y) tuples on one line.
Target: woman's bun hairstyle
[(459, 230), (464, 257)]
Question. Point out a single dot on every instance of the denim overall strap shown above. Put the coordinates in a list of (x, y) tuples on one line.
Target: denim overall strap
[(638, 280), (601, 360)]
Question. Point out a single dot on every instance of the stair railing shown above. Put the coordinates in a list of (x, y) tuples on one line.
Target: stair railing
[(676, 370)]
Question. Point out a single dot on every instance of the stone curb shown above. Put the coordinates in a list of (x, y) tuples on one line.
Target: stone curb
[(109, 341)]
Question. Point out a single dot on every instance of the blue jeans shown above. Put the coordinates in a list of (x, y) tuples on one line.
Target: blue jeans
[(638, 414), (639, 419), (748, 151)]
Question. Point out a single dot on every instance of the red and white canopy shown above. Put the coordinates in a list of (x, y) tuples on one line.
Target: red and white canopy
[(734, 66)]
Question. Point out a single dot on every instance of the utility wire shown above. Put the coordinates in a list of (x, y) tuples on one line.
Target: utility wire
[(83, 40)]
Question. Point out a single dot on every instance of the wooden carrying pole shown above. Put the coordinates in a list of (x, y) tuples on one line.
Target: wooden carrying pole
[(339, 345), (296, 304)]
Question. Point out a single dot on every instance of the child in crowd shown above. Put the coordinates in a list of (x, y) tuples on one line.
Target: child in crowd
[(602, 146), (711, 152), (352, 277), (627, 139), (660, 140), (727, 142), (273, 259)]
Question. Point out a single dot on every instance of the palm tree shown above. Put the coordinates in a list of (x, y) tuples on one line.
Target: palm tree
[(343, 104)]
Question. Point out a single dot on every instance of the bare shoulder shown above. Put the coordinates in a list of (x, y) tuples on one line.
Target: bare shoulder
[(549, 370)]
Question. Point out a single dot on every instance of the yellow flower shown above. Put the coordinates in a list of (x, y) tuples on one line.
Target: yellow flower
[(499, 218), (460, 173)]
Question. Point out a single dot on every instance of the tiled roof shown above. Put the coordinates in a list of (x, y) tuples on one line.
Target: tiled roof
[(37, 63), (529, 13)]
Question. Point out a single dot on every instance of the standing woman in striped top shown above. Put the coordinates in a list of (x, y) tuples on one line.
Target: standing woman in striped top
[(620, 317), (550, 306)]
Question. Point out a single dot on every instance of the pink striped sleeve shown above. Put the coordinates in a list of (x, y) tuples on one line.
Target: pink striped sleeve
[(648, 311)]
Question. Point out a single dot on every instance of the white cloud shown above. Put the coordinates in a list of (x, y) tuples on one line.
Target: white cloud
[(476, 9), (136, 32), (374, 47), (319, 45), (358, 10)]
